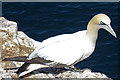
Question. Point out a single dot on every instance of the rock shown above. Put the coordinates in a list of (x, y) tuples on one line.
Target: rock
[(15, 43), (84, 73)]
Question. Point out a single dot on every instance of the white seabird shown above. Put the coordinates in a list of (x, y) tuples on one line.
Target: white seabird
[(67, 49)]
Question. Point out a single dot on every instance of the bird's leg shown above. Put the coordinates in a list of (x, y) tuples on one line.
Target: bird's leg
[(53, 69), (72, 68)]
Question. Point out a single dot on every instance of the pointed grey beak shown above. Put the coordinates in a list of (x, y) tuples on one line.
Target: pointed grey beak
[(110, 30)]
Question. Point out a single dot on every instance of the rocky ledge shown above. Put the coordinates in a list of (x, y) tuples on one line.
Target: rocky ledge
[(15, 43)]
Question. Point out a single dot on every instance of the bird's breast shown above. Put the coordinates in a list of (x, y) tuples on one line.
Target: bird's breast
[(87, 50)]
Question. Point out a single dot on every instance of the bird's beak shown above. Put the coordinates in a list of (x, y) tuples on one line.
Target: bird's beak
[(110, 30)]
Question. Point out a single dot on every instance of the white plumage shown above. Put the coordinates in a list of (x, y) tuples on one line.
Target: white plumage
[(65, 49)]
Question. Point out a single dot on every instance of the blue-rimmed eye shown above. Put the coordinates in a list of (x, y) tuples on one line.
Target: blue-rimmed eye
[(102, 23)]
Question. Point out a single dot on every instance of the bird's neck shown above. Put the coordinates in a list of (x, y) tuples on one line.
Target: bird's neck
[(92, 33)]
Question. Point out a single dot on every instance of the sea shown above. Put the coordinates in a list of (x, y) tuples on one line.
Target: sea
[(42, 20)]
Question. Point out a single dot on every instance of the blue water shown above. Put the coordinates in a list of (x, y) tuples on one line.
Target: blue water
[(43, 20)]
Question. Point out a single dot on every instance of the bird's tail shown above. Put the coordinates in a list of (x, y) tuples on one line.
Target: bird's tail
[(19, 59), (27, 67)]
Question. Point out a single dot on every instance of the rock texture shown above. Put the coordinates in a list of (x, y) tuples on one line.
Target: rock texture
[(13, 43), (16, 43), (48, 73)]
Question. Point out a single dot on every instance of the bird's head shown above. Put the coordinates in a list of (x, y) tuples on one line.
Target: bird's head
[(103, 21)]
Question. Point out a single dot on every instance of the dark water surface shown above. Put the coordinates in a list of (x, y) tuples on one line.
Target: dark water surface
[(43, 20)]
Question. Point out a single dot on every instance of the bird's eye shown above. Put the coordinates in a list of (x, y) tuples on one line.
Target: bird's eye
[(102, 23)]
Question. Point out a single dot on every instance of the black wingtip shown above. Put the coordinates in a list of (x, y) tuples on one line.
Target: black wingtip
[(22, 68), (5, 59), (19, 59)]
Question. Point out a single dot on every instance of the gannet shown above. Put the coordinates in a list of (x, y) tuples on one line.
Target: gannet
[(67, 49)]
